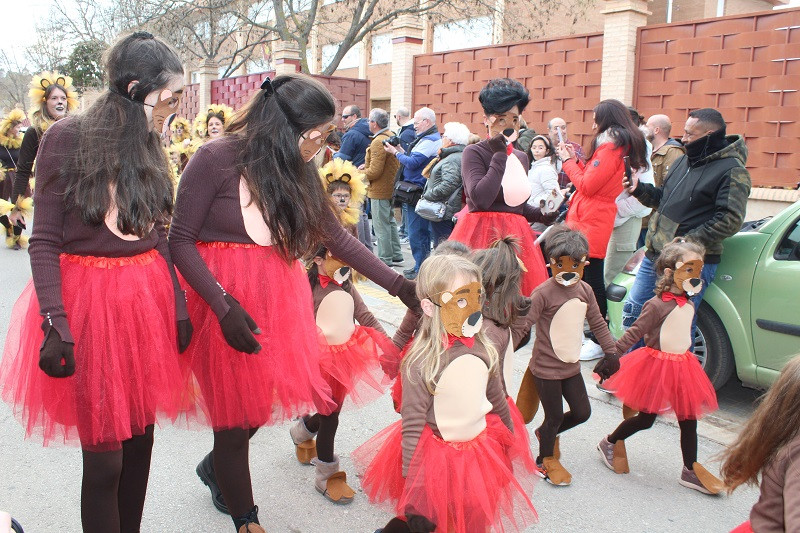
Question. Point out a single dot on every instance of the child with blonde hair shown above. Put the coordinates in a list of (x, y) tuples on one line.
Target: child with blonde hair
[(455, 426)]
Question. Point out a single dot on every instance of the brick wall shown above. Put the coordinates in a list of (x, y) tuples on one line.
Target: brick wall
[(747, 67), (189, 102), (562, 75)]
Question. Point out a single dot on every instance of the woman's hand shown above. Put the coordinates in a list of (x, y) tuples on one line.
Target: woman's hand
[(565, 151)]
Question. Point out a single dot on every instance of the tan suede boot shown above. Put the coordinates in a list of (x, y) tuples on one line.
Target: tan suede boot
[(332, 483), (556, 474), (252, 528), (305, 445)]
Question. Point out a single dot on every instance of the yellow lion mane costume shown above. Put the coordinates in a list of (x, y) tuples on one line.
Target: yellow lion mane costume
[(39, 85), (346, 172)]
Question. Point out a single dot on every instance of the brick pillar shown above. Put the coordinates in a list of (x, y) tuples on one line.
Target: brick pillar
[(208, 72), (622, 19), (287, 57), (406, 43)]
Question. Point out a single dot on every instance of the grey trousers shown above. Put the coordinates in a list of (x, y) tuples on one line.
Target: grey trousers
[(385, 230), (621, 247)]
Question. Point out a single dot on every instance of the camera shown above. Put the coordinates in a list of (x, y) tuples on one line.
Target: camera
[(394, 140)]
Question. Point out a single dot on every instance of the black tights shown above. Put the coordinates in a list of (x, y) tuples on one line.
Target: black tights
[(114, 486), (646, 420), (231, 457), (555, 419), (325, 427), (593, 275)]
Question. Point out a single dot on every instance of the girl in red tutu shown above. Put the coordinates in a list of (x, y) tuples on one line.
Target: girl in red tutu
[(664, 375), (496, 183), (769, 444), (350, 363), (102, 366), (503, 308), (249, 204), (444, 467)]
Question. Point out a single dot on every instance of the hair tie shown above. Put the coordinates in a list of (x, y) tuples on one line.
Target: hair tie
[(266, 86)]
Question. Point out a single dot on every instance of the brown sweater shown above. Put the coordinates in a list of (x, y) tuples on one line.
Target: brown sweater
[(546, 302), (361, 312), (60, 230), (207, 210), (418, 410), (648, 325), (482, 171), (778, 507), (380, 169), (499, 337)]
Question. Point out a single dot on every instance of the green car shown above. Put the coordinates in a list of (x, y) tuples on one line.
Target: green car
[(750, 316)]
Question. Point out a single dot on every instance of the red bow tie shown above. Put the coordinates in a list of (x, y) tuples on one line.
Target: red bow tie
[(469, 342), (680, 299), (324, 280)]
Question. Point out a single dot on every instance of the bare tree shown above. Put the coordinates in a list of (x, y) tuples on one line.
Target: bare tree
[(14, 82)]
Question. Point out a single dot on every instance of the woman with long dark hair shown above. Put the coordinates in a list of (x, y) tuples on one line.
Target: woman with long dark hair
[(52, 97), (105, 288), (249, 204), (592, 207)]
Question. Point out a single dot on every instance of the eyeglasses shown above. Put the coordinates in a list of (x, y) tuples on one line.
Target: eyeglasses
[(347, 116), (343, 196)]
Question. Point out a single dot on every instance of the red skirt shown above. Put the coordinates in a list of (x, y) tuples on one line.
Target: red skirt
[(481, 228), (353, 369), (121, 313), (657, 382), (520, 451), (282, 381), (743, 528), (460, 486)]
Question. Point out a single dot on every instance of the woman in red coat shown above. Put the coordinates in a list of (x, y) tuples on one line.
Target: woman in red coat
[(598, 182)]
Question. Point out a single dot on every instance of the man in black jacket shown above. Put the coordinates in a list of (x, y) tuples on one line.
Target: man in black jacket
[(703, 198)]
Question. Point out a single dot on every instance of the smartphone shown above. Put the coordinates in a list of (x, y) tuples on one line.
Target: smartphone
[(628, 170), (560, 136)]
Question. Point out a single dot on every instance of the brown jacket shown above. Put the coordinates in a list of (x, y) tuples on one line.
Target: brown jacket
[(380, 168), (662, 159)]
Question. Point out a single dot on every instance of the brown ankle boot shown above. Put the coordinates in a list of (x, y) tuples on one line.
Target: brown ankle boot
[(305, 446), (332, 483), (556, 474)]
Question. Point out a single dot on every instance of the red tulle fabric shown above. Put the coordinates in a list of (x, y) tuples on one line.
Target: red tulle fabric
[(462, 487), (657, 382), (282, 381), (353, 369), (128, 374), (481, 228), (743, 528), (520, 450)]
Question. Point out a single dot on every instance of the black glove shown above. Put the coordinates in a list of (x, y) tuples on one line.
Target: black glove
[(408, 295), (237, 326), (549, 218), (53, 352), (607, 366), (419, 524), (498, 143), (185, 331)]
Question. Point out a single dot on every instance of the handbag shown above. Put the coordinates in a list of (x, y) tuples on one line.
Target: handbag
[(434, 211), (406, 192)]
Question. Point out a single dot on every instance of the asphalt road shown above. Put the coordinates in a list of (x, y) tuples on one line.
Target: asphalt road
[(41, 486)]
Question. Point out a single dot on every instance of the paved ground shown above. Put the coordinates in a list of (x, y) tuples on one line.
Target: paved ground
[(42, 485)]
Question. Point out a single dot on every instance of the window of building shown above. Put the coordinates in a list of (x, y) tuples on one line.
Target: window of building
[(466, 33), (352, 59), (195, 77), (381, 48)]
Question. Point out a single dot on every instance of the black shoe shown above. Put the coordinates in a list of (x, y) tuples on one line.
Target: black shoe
[(398, 262), (205, 470), (409, 271), (412, 275)]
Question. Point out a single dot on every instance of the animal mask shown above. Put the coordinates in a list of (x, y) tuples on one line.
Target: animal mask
[(687, 276), (335, 269), (566, 270), (166, 106), (461, 309), (505, 123), (311, 142)]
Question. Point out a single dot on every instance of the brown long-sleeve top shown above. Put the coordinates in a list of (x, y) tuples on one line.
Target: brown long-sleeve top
[(778, 508), (482, 171), (418, 404), (361, 312), (208, 209), (27, 155), (58, 230), (649, 324), (558, 313), (500, 336)]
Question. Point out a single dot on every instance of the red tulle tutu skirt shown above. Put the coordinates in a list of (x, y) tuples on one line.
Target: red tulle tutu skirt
[(353, 369), (481, 228), (462, 487), (657, 382), (283, 380), (743, 528), (520, 451), (121, 313)]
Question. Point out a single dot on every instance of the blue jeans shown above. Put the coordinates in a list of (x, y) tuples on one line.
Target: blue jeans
[(403, 230), (419, 236), (643, 289), (440, 231)]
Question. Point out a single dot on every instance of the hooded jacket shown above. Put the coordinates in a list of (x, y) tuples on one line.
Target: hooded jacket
[(355, 142), (704, 201), (445, 180)]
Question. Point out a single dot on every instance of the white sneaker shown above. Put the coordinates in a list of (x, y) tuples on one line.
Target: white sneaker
[(590, 351)]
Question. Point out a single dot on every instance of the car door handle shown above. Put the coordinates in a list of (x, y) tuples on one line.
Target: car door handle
[(778, 327)]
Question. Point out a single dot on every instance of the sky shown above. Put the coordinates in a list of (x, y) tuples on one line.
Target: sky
[(20, 16)]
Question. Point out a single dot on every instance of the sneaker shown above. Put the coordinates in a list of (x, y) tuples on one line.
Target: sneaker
[(590, 351), (614, 456), (602, 387), (690, 479), (403, 240), (412, 275), (398, 262)]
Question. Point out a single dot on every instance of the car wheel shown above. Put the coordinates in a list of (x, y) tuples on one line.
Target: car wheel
[(712, 347)]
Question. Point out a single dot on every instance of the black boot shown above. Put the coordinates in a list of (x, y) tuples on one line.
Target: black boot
[(205, 470)]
